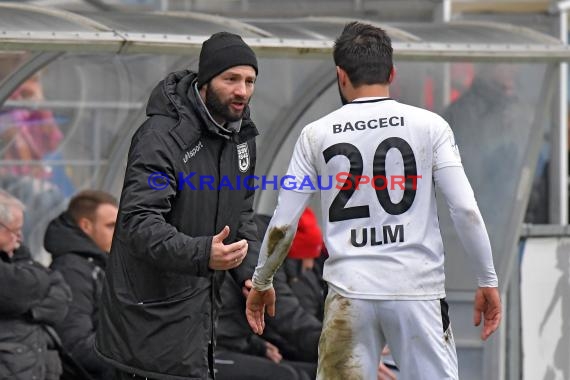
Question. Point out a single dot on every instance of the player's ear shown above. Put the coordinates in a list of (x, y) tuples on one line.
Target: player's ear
[(392, 75), (342, 76)]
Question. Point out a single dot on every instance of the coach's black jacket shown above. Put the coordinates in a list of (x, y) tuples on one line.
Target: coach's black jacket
[(160, 298)]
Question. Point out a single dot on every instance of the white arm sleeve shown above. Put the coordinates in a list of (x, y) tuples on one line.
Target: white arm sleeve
[(279, 236), (453, 184)]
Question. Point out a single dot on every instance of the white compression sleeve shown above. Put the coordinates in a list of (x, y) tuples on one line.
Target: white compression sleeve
[(279, 236), (468, 222)]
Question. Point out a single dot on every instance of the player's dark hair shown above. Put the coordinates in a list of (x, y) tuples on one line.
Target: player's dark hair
[(365, 53)]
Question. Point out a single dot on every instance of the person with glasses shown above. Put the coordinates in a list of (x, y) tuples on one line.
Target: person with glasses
[(32, 299)]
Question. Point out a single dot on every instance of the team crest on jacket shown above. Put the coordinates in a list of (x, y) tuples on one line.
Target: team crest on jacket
[(243, 157)]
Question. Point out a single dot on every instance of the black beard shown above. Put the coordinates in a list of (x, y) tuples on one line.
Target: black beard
[(217, 108), (343, 100)]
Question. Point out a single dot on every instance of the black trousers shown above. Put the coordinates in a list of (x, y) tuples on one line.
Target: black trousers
[(120, 375), (236, 366)]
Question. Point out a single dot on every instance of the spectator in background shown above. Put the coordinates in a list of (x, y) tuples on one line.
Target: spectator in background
[(487, 112), (79, 241), (242, 355), (490, 122), (287, 350), (29, 138), (30, 133), (304, 272), (32, 300)]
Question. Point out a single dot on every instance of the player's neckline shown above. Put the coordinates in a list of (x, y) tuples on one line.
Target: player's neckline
[(369, 100)]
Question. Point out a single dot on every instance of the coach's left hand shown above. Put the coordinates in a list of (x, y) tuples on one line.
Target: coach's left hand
[(255, 308)]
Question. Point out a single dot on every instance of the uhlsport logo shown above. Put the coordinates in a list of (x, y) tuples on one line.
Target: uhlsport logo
[(243, 157), (192, 152)]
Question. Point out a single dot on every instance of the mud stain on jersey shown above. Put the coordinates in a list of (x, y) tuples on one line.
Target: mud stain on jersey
[(473, 217), (278, 244), (313, 139), (337, 360), (276, 234)]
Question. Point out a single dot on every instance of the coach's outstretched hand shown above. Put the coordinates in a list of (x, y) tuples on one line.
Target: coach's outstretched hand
[(226, 256), (255, 308), (487, 302)]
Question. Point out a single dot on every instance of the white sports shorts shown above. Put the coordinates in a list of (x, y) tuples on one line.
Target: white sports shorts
[(418, 334)]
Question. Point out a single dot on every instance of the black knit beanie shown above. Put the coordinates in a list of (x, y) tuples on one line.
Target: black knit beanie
[(222, 51)]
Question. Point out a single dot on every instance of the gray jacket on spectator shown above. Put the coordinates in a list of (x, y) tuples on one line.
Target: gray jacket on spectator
[(32, 298)]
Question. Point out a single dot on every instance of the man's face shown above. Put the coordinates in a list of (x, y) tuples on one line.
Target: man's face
[(228, 93), (11, 232), (101, 228), (502, 77), (505, 76)]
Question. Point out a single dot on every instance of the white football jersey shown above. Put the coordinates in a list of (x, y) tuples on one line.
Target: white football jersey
[(373, 160)]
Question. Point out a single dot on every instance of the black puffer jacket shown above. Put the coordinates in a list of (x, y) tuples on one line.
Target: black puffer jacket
[(82, 265), (31, 298), (160, 298)]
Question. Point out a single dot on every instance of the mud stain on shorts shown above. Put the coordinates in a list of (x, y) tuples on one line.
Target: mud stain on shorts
[(337, 360), (447, 336)]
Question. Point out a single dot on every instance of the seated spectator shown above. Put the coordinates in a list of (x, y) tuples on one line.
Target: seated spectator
[(241, 354), (79, 241), (287, 350), (304, 271), (32, 299)]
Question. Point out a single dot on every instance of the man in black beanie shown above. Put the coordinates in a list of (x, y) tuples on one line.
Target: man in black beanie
[(183, 220)]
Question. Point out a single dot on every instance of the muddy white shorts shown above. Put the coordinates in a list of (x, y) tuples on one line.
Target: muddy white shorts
[(417, 332)]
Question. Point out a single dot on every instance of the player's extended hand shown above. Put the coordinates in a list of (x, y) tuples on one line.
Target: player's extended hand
[(255, 308), (488, 303), (226, 256)]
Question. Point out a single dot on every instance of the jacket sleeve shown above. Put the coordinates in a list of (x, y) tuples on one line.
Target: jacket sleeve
[(77, 331), (292, 322), (21, 287), (53, 308), (149, 189), (247, 230)]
